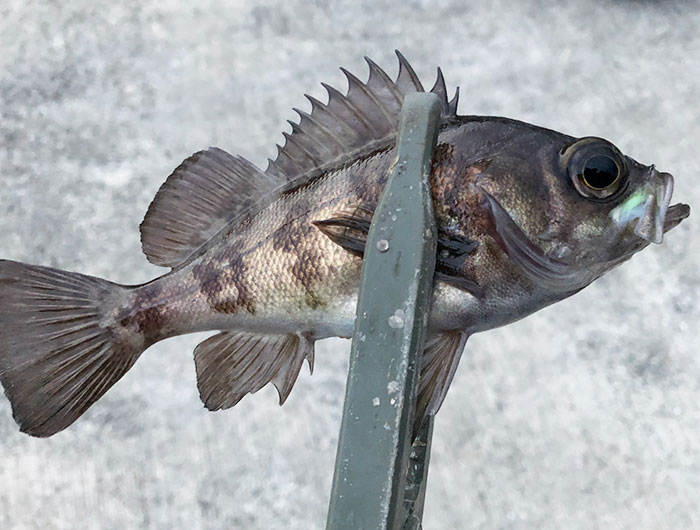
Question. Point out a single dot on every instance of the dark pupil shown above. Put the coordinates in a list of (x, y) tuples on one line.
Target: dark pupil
[(599, 172)]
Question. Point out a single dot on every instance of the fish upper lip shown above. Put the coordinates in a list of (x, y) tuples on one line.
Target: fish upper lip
[(668, 216), (651, 220)]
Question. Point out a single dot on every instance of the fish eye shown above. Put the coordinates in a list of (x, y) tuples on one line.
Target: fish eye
[(600, 172), (595, 167)]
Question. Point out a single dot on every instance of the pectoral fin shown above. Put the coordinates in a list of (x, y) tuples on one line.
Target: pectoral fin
[(349, 229), (232, 364)]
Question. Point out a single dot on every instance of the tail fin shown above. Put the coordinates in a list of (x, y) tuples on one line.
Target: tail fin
[(60, 350)]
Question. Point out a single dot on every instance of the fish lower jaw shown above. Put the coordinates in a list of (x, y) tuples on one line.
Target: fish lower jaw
[(675, 215)]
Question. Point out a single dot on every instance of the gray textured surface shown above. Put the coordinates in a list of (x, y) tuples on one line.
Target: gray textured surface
[(586, 415)]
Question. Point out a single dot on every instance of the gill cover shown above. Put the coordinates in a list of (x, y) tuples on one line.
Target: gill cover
[(551, 273)]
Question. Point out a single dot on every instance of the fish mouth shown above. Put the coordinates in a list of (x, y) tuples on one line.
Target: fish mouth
[(648, 209)]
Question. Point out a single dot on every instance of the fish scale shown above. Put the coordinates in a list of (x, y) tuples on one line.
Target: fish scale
[(271, 260)]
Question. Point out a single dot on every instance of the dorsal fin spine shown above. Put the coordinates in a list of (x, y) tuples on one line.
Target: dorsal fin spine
[(405, 67), (440, 89), (452, 104), (364, 117), (375, 71), (320, 127), (355, 82), (281, 151), (274, 168), (297, 131), (293, 141), (321, 108), (333, 93)]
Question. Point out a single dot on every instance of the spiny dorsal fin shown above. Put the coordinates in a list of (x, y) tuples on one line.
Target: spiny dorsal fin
[(352, 123), (204, 194), (211, 189), (233, 364)]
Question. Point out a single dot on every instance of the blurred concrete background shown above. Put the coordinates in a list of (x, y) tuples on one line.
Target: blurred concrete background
[(585, 415)]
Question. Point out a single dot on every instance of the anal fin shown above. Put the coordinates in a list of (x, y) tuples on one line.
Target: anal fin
[(232, 364)]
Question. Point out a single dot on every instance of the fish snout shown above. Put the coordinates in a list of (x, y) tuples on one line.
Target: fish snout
[(650, 210), (650, 224), (673, 215)]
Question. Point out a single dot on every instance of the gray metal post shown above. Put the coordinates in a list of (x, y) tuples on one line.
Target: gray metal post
[(372, 465), (417, 478)]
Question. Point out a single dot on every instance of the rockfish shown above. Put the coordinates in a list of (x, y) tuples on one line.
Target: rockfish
[(271, 259)]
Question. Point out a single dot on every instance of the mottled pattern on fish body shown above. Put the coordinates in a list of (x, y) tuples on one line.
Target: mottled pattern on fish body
[(526, 216), (278, 273)]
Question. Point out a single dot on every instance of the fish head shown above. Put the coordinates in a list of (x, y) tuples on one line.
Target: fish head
[(568, 210)]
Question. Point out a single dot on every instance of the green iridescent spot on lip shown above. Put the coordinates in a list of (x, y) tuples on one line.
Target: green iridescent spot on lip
[(631, 208)]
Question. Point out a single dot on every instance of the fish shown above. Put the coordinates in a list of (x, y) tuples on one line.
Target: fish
[(271, 260)]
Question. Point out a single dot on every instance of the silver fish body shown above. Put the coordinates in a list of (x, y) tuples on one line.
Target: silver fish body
[(272, 259)]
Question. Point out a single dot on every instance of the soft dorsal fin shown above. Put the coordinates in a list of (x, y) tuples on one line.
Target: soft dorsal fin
[(204, 194), (352, 123)]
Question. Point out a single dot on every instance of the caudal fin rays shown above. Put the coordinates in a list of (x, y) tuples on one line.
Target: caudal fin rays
[(57, 354)]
